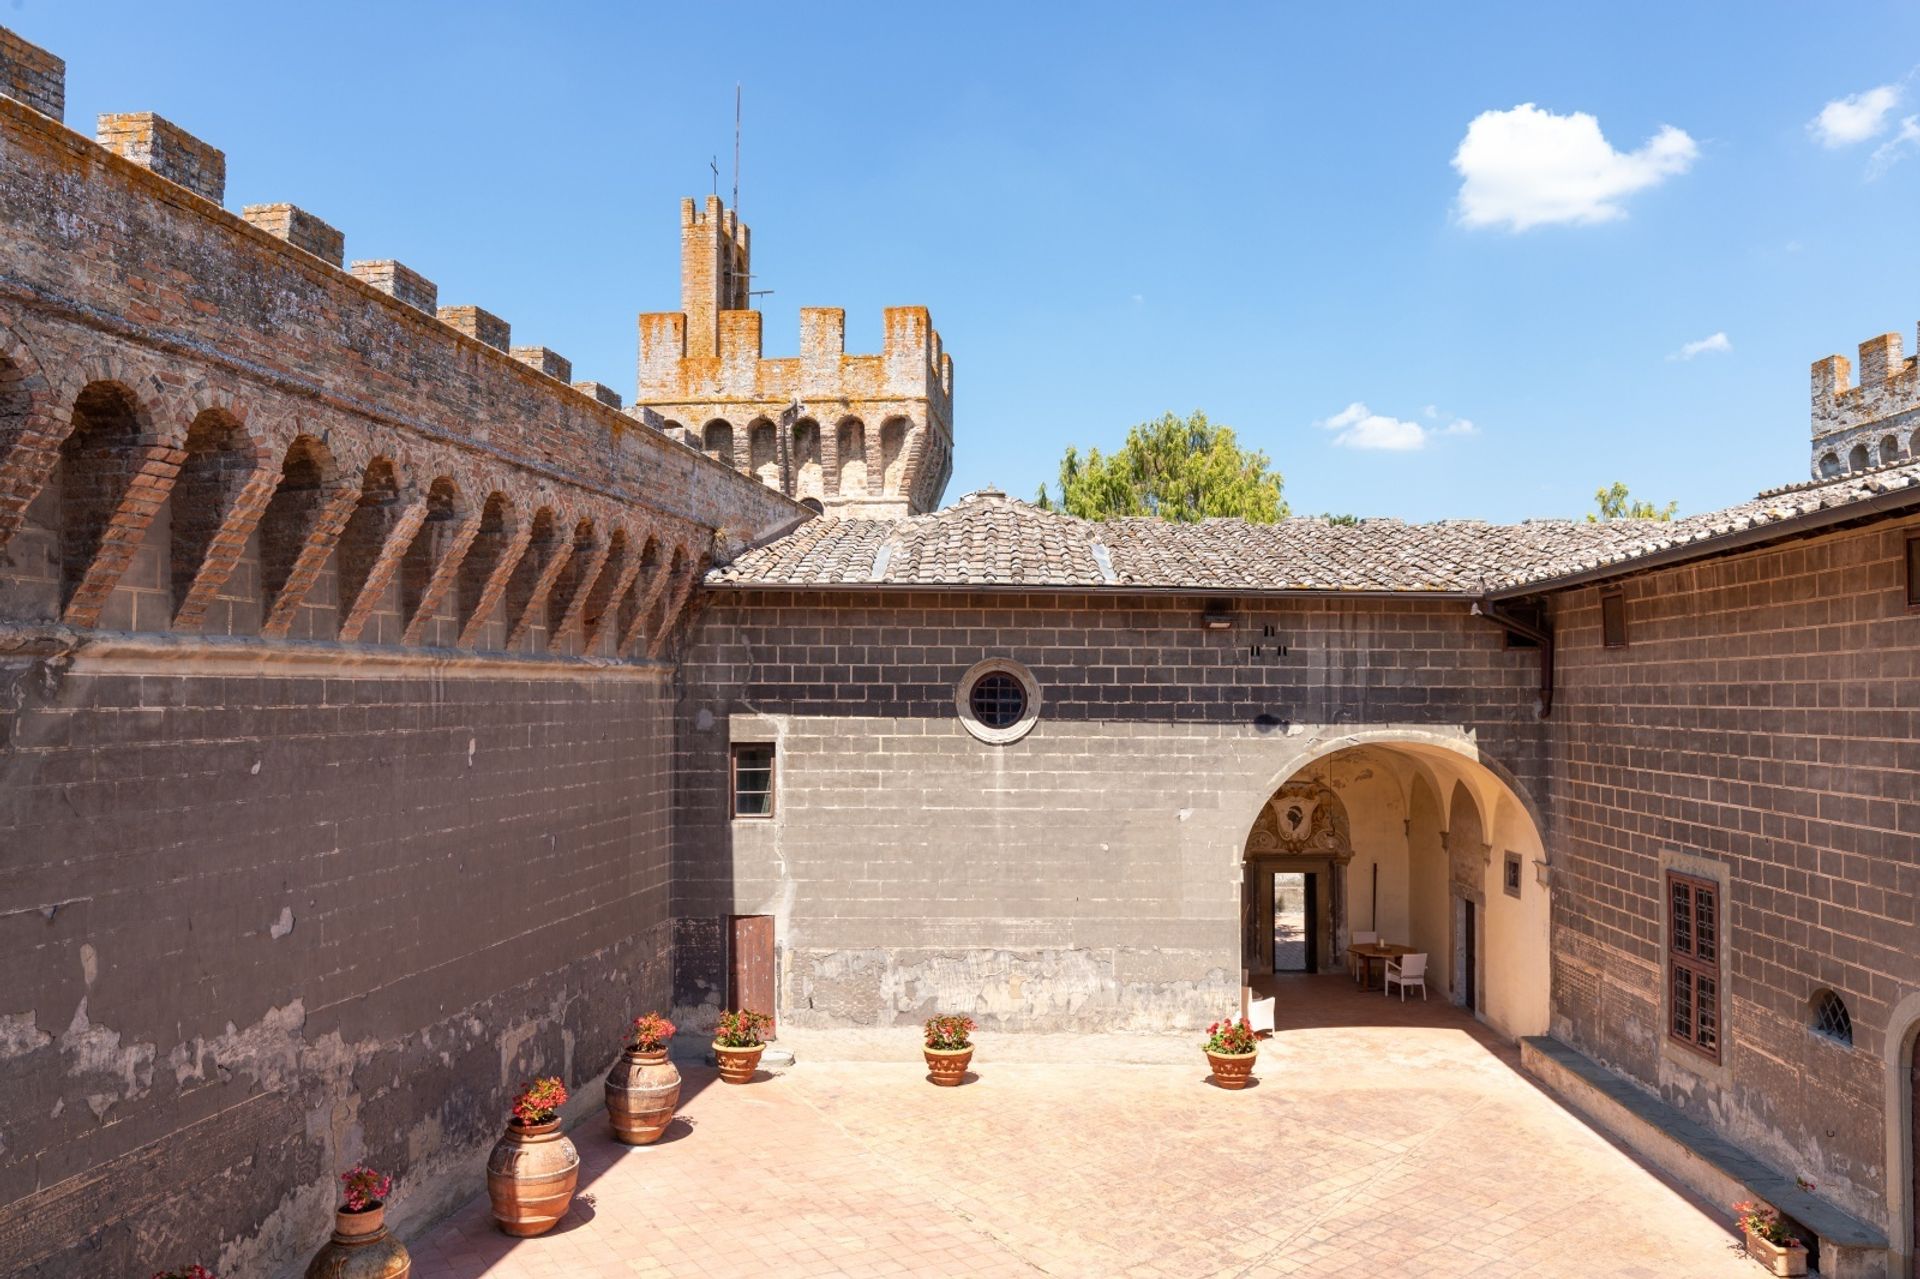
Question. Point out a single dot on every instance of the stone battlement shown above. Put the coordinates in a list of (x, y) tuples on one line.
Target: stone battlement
[(1871, 424)]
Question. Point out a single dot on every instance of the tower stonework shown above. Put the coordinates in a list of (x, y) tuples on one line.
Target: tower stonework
[(1872, 424), (848, 435)]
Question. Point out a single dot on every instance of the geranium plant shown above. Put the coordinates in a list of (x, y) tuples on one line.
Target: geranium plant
[(540, 1100), (185, 1272), (949, 1033), (742, 1028), (1231, 1038), (1764, 1221), (365, 1188), (650, 1033)]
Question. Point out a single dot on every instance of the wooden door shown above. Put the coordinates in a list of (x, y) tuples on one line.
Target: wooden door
[(750, 963)]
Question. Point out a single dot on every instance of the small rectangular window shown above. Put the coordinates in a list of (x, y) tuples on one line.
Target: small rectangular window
[(1693, 963), (753, 781), (1613, 620), (1512, 882), (1534, 615), (1913, 570)]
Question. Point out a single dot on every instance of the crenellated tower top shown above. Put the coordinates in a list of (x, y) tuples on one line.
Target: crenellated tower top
[(1872, 424), (856, 435)]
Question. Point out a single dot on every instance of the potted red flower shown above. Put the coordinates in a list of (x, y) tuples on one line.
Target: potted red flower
[(533, 1169), (1769, 1242), (739, 1038), (1230, 1050), (361, 1243), (948, 1049), (643, 1087)]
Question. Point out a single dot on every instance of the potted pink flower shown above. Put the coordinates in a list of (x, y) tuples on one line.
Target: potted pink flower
[(1769, 1241), (1230, 1050), (739, 1038), (643, 1087), (533, 1169), (949, 1048), (361, 1242)]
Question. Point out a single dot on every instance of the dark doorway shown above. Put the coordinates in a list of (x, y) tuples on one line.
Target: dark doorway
[(1470, 949), (1295, 914), (750, 963)]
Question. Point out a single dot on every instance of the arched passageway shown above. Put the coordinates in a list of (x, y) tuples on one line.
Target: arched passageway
[(1423, 846)]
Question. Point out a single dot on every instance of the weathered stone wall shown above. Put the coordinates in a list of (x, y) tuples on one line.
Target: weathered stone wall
[(335, 715), (266, 917), (1872, 424), (1084, 876), (1765, 720)]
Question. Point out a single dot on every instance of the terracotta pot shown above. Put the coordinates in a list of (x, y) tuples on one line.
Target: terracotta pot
[(361, 1248), (1779, 1259), (642, 1090), (738, 1064), (948, 1066), (1232, 1070), (530, 1177)]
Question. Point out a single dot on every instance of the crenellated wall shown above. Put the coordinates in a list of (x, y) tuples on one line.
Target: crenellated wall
[(337, 652)]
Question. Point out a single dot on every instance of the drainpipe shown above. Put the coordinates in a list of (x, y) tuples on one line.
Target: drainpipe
[(1486, 607)]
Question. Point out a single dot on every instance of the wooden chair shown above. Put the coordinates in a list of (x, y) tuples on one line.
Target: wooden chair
[(1408, 970), (1355, 968)]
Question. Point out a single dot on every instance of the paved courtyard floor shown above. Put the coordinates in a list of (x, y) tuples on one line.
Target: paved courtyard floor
[(1377, 1142)]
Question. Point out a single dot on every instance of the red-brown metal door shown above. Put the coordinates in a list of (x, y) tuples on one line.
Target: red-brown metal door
[(750, 963)]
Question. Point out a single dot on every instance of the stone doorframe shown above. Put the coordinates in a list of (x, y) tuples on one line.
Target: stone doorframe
[(1331, 946), (1903, 1037)]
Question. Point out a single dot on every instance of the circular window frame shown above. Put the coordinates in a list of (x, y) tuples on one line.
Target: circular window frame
[(963, 701)]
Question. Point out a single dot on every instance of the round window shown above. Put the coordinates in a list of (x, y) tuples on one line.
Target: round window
[(998, 701)]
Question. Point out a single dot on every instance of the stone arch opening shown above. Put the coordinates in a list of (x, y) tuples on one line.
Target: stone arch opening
[(572, 577), (219, 462), (1857, 459), (600, 593), (490, 544), (716, 441), (763, 454), (367, 529), (1889, 449), (628, 616), (1829, 465), (293, 515), (853, 457), (431, 544), (1409, 840), (808, 479), (544, 541), (677, 570), (98, 462), (893, 453)]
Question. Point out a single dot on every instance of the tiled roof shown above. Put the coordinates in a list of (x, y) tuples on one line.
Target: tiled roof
[(988, 539)]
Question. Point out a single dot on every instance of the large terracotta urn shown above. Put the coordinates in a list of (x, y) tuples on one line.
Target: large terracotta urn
[(530, 1177), (642, 1090), (361, 1248)]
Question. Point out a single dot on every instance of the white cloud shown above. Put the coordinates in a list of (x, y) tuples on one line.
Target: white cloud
[(1528, 167), (1715, 344), (1358, 427), (1895, 148), (1845, 121)]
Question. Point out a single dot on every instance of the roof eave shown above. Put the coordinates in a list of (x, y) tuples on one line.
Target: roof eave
[(1117, 588)]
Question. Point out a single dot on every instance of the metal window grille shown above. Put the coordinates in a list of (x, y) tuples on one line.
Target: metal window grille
[(997, 700), (1831, 1018), (1693, 963)]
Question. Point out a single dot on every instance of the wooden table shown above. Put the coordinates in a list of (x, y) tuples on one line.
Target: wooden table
[(1367, 952)]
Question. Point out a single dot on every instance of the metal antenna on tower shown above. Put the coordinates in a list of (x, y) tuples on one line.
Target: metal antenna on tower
[(736, 148)]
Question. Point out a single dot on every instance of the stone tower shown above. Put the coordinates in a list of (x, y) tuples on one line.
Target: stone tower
[(1872, 424), (850, 435)]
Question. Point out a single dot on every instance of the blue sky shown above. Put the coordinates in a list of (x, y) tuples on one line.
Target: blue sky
[(1265, 212)]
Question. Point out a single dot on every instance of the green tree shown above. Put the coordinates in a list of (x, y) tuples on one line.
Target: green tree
[(1181, 469), (1615, 504)]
